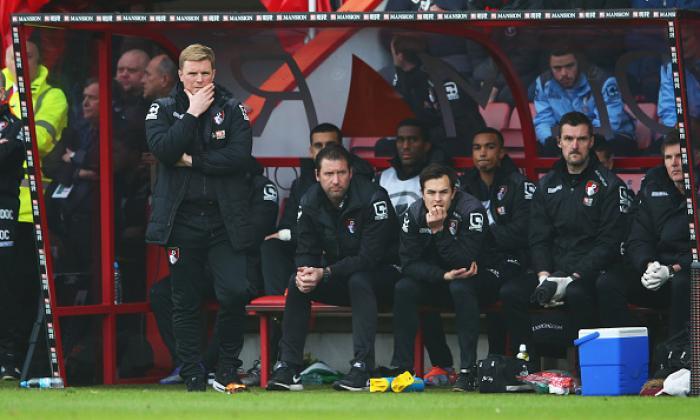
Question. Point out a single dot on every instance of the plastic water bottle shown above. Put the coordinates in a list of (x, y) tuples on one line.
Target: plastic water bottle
[(117, 284), (522, 353), (49, 382)]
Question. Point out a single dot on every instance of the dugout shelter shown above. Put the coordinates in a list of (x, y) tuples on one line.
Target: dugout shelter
[(294, 70)]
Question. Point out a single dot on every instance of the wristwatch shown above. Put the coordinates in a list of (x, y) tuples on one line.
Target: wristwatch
[(671, 271), (326, 274)]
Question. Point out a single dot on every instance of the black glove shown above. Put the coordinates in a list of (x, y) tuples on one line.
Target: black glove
[(544, 292)]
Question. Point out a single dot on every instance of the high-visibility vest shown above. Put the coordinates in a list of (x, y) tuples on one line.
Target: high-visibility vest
[(50, 118)]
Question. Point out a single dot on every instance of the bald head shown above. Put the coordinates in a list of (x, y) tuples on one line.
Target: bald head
[(159, 77), (130, 69)]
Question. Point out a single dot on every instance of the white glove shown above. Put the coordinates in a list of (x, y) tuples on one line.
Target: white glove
[(653, 267), (656, 275), (562, 284)]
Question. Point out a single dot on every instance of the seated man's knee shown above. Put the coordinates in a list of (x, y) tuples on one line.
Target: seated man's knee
[(608, 282), (360, 280), (406, 288), (578, 292), (462, 287), (269, 248), (681, 283), (512, 292)]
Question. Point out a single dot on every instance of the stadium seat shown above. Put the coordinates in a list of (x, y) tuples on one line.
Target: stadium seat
[(642, 133), (363, 146), (496, 114), (513, 142), (514, 122), (633, 181)]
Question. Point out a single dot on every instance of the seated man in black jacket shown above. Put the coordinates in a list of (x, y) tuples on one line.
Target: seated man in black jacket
[(506, 195), (658, 249), (577, 223), (346, 245), (442, 238), (277, 251)]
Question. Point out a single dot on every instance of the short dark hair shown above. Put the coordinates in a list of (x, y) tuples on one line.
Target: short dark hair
[(333, 152), (326, 128), (575, 118), (410, 46), (563, 48), (672, 138), (414, 122), (438, 170), (90, 81), (491, 130)]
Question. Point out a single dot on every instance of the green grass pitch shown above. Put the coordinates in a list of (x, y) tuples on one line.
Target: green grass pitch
[(151, 401)]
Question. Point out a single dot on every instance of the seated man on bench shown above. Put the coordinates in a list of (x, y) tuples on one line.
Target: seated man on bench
[(442, 238), (346, 245)]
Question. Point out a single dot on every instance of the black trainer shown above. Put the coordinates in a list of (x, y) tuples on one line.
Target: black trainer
[(196, 383), (466, 381), (356, 380), (284, 378), (225, 377), (252, 377)]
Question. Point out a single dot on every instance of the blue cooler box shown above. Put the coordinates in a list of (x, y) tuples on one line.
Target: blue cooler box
[(614, 361)]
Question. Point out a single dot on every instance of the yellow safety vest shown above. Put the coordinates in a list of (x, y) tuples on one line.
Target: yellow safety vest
[(50, 118)]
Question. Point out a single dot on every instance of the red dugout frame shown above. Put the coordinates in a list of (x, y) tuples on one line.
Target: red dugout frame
[(467, 25)]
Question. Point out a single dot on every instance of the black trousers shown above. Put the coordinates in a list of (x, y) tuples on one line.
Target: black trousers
[(464, 295), (199, 239), (161, 298), (515, 296), (20, 294), (622, 285), (9, 206), (363, 290), (277, 261), (580, 303)]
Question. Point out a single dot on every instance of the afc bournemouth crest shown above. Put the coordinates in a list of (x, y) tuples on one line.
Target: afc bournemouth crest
[(173, 255), (219, 117), (591, 188), (501, 192), (351, 225), (452, 226)]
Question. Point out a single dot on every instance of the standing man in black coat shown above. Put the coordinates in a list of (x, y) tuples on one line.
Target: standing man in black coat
[(202, 140), (346, 247), (11, 159), (658, 248)]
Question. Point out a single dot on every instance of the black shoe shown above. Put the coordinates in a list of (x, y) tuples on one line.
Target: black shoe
[(253, 375), (9, 372), (196, 383), (284, 378), (466, 381), (225, 377), (356, 380)]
